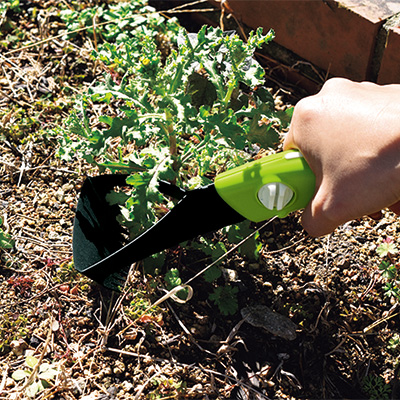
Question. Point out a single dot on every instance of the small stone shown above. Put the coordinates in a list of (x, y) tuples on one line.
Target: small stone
[(119, 367), (263, 317), (18, 346), (127, 386)]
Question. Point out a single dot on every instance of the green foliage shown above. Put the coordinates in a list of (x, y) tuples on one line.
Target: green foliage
[(225, 297), (139, 304), (394, 342), (376, 388), (163, 131), (252, 246), (12, 5), (167, 388), (6, 242), (389, 271), (66, 272), (212, 274), (172, 280), (46, 374), (387, 248), (12, 327)]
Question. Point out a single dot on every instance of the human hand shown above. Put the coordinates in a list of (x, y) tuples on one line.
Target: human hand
[(349, 133)]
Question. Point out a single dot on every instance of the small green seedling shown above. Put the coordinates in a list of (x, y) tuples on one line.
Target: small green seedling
[(225, 297), (389, 270), (45, 375), (6, 241), (376, 388)]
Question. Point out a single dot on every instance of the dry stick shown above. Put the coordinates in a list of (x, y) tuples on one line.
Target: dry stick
[(143, 386), (4, 379), (378, 322)]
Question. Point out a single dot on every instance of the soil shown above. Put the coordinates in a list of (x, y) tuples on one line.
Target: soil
[(327, 291)]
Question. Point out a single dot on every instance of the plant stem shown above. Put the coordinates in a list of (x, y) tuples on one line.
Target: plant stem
[(173, 149)]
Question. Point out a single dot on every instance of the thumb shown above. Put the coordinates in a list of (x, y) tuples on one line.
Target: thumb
[(315, 218)]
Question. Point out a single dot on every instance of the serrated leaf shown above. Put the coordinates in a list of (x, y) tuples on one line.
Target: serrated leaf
[(212, 274), (386, 248), (202, 92), (225, 298)]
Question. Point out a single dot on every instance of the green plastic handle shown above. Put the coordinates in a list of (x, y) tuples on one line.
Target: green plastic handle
[(274, 185)]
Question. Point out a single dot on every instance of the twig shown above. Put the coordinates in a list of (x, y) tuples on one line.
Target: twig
[(4, 379), (378, 322)]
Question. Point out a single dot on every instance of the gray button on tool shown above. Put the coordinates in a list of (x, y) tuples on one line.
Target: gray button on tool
[(275, 195)]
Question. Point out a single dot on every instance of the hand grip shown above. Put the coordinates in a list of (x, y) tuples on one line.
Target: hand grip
[(275, 185)]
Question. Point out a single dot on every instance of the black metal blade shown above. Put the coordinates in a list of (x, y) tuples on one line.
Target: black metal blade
[(97, 243)]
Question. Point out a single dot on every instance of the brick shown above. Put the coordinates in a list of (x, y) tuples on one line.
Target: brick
[(389, 71), (337, 36)]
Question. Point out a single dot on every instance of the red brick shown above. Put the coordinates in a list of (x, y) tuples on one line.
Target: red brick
[(389, 71), (338, 37)]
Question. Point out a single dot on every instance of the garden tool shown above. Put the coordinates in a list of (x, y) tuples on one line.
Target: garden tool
[(274, 185)]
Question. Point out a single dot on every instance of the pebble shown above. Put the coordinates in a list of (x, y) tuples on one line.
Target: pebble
[(263, 317), (119, 367)]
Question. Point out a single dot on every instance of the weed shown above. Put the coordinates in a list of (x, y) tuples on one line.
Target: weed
[(12, 327), (387, 248), (172, 280), (225, 297), (185, 107), (394, 343), (46, 374), (6, 241), (21, 285), (388, 269), (167, 388), (376, 388), (139, 307)]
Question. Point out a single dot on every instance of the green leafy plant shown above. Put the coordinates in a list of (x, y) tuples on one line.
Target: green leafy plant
[(387, 248), (165, 130), (5, 6), (181, 107), (6, 241), (394, 342), (376, 388), (225, 297), (139, 306), (167, 388), (46, 373), (389, 270), (172, 280), (12, 327)]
